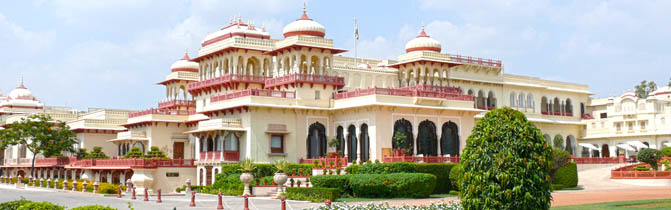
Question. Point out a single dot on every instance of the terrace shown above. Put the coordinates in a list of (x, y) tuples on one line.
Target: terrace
[(406, 91), (254, 92), (227, 81), (299, 79)]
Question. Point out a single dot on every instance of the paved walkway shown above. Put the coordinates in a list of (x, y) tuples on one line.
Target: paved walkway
[(203, 201)]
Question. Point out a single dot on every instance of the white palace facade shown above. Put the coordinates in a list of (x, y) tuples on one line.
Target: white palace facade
[(249, 95)]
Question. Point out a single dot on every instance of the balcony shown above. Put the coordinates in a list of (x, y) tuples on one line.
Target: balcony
[(254, 92), (421, 159), (299, 79), (226, 80), (567, 114), (134, 163), (176, 103), (475, 61), (217, 156), (402, 92), (162, 112)]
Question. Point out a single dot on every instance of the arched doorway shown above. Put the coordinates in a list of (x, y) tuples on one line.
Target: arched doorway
[(491, 99), (570, 144), (365, 143), (316, 142), (351, 143), (585, 152), (449, 141), (427, 142), (404, 127), (231, 144), (340, 135), (604, 151)]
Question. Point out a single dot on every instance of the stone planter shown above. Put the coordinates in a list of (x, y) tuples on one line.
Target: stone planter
[(280, 178), (246, 178)]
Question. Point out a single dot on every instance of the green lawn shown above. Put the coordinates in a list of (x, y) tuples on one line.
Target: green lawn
[(349, 200), (621, 205)]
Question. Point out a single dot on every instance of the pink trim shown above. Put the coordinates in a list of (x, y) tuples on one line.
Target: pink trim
[(254, 92), (229, 35), (295, 79), (435, 49), (185, 69), (305, 33)]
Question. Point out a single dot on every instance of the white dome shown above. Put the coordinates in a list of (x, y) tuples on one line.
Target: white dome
[(185, 64), (423, 43), (304, 26), (21, 92), (236, 28)]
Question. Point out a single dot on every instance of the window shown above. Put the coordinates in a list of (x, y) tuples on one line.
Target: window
[(277, 144), (521, 100), (317, 95), (512, 99), (630, 125), (643, 124), (231, 143), (618, 126), (604, 115), (530, 101)]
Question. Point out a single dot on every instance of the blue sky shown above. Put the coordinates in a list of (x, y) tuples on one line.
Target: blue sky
[(112, 53)]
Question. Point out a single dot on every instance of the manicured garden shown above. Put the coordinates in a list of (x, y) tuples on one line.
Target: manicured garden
[(103, 188), (621, 205), (30, 205)]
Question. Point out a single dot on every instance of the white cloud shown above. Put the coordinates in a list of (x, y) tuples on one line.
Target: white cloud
[(18, 39)]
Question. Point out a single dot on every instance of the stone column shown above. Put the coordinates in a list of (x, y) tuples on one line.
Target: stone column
[(122, 178)]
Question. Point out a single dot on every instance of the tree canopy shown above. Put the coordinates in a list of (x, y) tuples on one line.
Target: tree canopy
[(645, 88), (41, 135)]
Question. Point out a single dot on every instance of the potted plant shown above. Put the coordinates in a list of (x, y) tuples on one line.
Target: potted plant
[(335, 143), (247, 166), (298, 183), (331, 164), (307, 182), (292, 181), (280, 177), (316, 163), (399, 140), (338, 171), (300, 172)]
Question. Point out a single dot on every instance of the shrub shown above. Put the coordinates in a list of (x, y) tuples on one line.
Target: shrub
[(650, 156), (97, 153), (13, 205), (296, 167), (134, 152), (313, 194), (556, 187), (406, 185), (93, 207), (567, 176), (666, 151), (379, 206), (641, 168), (506, 164), (40, 206), (352, 169), (560, 159), (339, 182), (228, 184), (455, 175), (442, 173), (155, 152), (387, 168), (558, 142), (453, 192)]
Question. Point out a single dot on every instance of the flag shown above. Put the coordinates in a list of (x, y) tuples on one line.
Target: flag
[(356, 30)]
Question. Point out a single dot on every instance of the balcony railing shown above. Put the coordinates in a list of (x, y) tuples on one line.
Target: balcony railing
[(229, 78), (135, 163), (402, 92), (217, 156), (175, 103), (305, 78), (163, 112), (433, 88), (420, 159), (627, 172), (476, 61), (254, 92), (568, 114)]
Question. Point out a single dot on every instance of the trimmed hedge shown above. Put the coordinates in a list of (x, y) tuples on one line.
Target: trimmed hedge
[(398, 185), (387, 168), (41, 206), (455, 174), (666, 151), (263, 170), (442, 172), (228, 184), (567, 176), (332, 181), (13, 205), (93, 207), (313, 194), (352, 169)]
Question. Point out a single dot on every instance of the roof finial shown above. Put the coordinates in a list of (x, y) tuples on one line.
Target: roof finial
[(305, 7), (230, 20), (305, 12), (186, 54), (422, 33), (21, 85)]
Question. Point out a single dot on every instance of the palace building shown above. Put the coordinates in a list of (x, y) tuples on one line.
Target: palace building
[(247, 95)]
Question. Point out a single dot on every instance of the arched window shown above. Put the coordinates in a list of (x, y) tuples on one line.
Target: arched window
[(365, 143), (604, 151), (520, 100), (491, 99), (139, 145), (530, 101), (512, 99), (316, 142), (404, 127), (449, 141), (545, 106), (427, 143), (217, 142), (351, 143), (340, 135), (570, 144), (481, 98), (210, 144), (568, 106)]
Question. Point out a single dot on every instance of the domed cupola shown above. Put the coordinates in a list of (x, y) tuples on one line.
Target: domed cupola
[(423, 43), (304, 26), (185, 64), (21, 92)]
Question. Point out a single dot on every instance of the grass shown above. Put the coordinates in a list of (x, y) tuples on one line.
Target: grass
[(573, 188), (621, 205), (349, 200)]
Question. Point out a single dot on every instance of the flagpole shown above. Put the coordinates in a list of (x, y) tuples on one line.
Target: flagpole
[(356, 38)]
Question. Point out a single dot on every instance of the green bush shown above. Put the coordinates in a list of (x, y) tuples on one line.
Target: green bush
[(330, 181), (387, 168), (506, 164), (155, 152), (93, 207), (666, 151), (40, 206), (352, 169), (13, 205), (560, 159), (641, 168), (442, 173), (405, 185), (454, 192), (558, 142), (228, 184), (567, 176), (455, 174), (96, 154), (556, 187), (312, 194), (650, 156)]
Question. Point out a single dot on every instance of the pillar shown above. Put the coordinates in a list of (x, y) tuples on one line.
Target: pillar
[(122, 178)]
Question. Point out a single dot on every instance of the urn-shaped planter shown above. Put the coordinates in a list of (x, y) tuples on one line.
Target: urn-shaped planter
[(246, 178), (280, 178)]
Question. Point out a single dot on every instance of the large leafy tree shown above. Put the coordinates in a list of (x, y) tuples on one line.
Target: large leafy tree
[(41, 135), (645, 88), (506, 164)]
